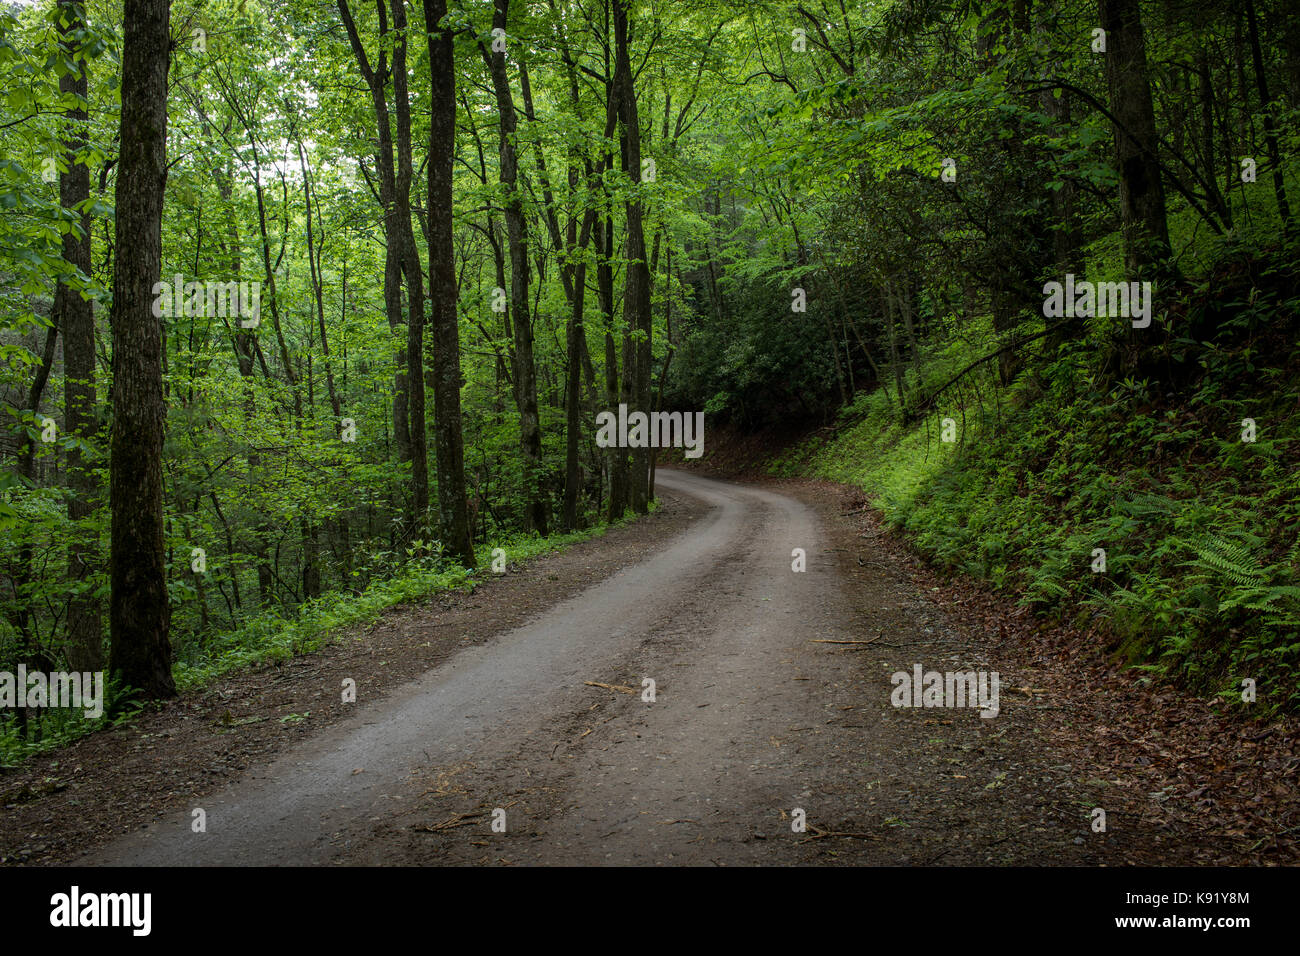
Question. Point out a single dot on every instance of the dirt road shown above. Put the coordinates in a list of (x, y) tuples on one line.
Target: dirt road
[(754, 718)]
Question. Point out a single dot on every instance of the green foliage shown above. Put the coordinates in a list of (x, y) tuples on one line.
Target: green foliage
[(58, 727), (275, 636), (1202, 577)]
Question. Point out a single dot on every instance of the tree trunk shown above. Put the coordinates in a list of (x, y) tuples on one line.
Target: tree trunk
[(23, 616), (576, 333), (1141, 190), (377, 81), (1067, 239), (76, 317), (907, 305), (891, 326), (1210, 175), (139, 614), (616, 457), (525, 371), (409, 256), (457, 534), (1270, 127), (636, 297), (245, 346)]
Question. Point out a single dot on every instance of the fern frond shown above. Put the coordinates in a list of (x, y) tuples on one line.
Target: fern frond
[(1230, 560)]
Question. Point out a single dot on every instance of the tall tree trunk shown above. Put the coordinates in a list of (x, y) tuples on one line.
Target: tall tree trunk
[(668, 354), (1141, 190), (29, 650), (1206, 93), (891, 326), (139, 615), (575, 336), (457, 533), (636, 297), (907, 305), (311, 583), (1270, 126), (317, 282), (76, 317), (616, 457), (409, 255), (377, 81), (525, 371), (246, 349), (1067, 239), (573, 277)]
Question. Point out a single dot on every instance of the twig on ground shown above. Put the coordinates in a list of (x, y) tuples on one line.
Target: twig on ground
[(621, 688)]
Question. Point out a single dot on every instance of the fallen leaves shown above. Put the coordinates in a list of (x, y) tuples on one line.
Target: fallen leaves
[(1153, 738)]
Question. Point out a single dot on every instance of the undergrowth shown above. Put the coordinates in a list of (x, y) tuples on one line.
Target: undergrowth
[(1200, 578)]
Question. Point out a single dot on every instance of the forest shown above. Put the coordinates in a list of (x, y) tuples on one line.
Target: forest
[(310, 308)]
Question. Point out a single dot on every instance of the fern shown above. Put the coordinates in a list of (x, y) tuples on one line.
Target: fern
[(1147, 504), (1230, 560)]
